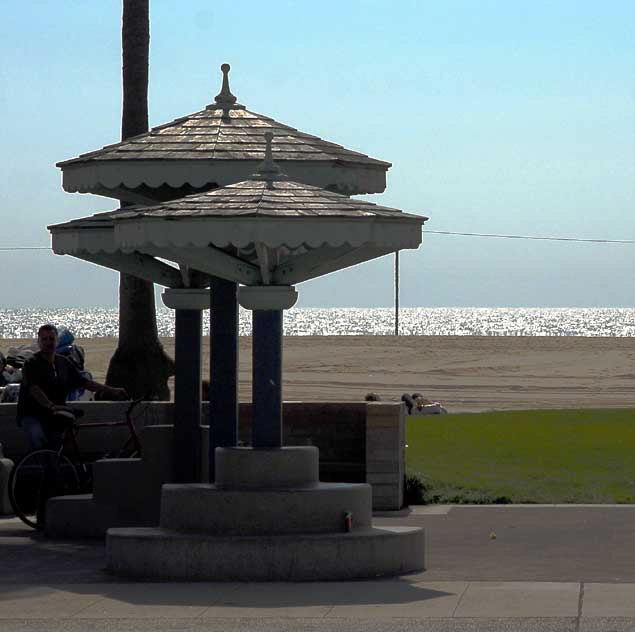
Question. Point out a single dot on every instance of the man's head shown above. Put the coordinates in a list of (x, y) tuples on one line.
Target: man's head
[(47, 338)]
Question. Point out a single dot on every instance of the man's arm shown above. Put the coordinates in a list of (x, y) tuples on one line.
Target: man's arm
[(96, 387), (38, 395), (77, 380)]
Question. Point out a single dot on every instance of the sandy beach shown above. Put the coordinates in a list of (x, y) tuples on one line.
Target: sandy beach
[(465, 373)]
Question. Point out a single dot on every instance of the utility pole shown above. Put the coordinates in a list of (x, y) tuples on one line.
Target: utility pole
[(396, 293)]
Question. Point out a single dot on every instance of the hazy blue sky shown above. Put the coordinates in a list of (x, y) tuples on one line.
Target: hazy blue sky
[(500, 117)]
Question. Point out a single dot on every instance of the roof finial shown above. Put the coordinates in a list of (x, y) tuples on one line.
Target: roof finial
[(268, 165), (268, 170), (225, 97), (225, 100)]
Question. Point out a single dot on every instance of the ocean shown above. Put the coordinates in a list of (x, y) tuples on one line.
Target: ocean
[(351, 321)]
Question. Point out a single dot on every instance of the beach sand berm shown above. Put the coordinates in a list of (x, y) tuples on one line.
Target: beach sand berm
[(465, 373)]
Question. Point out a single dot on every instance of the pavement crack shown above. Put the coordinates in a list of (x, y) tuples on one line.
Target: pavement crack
[(458, 603), (580, 600), (92, 603)]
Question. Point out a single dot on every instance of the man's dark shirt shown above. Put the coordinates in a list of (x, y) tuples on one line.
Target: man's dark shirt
[(55, 380)]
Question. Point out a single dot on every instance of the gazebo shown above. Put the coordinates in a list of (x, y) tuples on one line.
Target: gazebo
[(217, 146), (267, 516)]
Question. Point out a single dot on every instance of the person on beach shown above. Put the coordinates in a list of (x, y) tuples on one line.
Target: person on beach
[(47, 378), (409, 402), (417, 404)]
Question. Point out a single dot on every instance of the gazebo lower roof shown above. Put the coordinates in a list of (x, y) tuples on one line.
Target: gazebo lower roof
[(261, 231)]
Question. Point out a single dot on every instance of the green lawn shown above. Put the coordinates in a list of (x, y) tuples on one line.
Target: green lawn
[(563, 456)]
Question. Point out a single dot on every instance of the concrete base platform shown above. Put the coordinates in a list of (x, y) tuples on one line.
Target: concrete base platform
[(79, 516), (241, 512), (160, 554), (290, 466)]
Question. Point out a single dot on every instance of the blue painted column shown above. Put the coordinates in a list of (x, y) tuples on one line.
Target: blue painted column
[(188, 304), (267, 303), (187, 396), (267, 379), (223, 406)]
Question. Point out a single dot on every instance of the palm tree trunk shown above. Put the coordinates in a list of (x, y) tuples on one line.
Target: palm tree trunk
[(139, 364)]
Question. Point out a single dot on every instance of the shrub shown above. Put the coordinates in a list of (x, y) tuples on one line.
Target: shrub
[(414, 491)]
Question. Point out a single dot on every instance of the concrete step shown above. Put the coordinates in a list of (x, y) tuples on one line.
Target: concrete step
[(289, 466), (160, 554), (79, 516), (113, 477), (219, 511), (119, 481)]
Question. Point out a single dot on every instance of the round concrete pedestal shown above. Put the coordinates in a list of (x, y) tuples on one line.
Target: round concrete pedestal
[(267, 519), (178, 556), (322, 508), (292, 466)]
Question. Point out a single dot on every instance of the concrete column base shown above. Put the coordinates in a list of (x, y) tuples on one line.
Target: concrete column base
[(180, 556), (322, 508), (267, 467), (240, 531)]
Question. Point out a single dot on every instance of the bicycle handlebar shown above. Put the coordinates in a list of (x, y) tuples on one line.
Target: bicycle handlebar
[(133, 404), (78, 412)]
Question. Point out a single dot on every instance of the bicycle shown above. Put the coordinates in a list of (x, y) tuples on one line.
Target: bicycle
[(45, 473)]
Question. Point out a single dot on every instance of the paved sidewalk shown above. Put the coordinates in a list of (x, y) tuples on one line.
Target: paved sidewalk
[(549, 568)]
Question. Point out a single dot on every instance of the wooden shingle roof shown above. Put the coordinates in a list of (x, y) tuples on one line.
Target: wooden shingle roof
[(234, 134), (262, 198), (267, 193), (251, 198), (217, 146)]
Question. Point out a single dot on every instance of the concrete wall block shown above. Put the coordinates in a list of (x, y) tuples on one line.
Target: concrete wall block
[(386, 438), (387, 503), (382, 422), (157, 444), (382, 467), (384, 489), (380, 408), (369, 435), (382, 413), (384, 454), (118, 480), (376, 478), (387, 496), (6, 465), (91, 440)]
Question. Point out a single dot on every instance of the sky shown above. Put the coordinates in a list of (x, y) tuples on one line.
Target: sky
[(498, 117)]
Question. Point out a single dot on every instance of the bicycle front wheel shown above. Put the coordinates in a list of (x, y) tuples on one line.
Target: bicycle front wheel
[(39, 476)]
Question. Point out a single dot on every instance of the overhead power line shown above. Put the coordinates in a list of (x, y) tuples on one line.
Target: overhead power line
[(432, 232), (594, 241), (9, 248)]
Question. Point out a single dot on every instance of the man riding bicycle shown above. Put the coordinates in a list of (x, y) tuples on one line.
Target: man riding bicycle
[(47, 378)]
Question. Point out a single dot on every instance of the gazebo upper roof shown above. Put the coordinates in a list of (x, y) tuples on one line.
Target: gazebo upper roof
[(227, 134), (236, 136)]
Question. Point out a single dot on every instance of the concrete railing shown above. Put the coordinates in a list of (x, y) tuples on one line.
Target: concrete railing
[(358, 442)]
